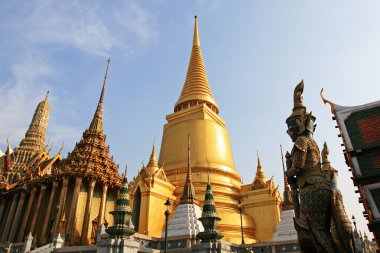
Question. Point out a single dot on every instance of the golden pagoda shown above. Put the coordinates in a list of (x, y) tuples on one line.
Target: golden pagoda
[(196, 114), (33, 142)]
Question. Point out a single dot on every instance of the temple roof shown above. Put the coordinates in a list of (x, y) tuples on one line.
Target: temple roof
[(196, 87), (358, 127), (90, 157)]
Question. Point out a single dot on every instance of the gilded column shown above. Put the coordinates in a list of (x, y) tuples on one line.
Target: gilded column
[(48, 213), (73, 208), (2, 206), (16, 219), (85, 239), (26, 215), (9, 219), (37, 209), (61, 205), (102, 205)]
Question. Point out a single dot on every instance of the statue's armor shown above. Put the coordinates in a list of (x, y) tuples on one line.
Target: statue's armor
[(313, 187)]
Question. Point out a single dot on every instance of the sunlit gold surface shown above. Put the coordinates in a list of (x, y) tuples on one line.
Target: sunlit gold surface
[(211, 155), (155, 189)]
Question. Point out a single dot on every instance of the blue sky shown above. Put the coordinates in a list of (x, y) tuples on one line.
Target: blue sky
[(255, 53)]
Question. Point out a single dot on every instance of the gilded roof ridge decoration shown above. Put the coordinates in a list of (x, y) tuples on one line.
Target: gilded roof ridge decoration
[(196, 86)]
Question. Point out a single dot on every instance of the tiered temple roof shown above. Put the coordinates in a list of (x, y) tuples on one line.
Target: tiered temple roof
[(90, 157)]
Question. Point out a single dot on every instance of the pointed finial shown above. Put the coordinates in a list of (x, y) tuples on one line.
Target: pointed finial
[(327, 101), (258, 160), (153, 158), (154, 146), (50, 148), (188, 189), (196, 41), (188, 152), (126, 171), (97, 121), (63, 145), (208, 178), (47, 144), (104, 84), (8, 141), (47, 95)]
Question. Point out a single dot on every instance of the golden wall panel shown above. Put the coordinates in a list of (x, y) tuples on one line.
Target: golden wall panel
[(110, 206), (79, 216), (94, 207)]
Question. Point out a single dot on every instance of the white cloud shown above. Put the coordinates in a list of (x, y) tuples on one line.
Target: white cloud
[(83, 25), (19, 96), (137, 20)]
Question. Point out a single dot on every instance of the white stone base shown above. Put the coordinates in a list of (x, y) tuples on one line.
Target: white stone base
[(185, 221), (285, 230)]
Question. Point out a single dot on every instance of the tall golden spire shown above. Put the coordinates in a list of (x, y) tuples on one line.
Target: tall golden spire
[(196, 88), (188, 189), (97, 121)]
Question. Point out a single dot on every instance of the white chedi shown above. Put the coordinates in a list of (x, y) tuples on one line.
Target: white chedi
[(185, 221), (285, 230)]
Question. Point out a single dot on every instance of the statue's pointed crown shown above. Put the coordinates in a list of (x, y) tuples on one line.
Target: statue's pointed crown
[(196, 87), (304, 119)]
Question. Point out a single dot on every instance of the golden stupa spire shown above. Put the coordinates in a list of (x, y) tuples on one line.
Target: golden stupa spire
[(260, 179), (152, 165), (260, 171), (97, 121), (196, 88)]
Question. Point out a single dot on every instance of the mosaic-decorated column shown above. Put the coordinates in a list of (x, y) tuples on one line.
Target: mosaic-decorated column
[(73, 208), (90, 192), (102, 205), (25, 219), (37, 209), (48, 215), (9, 219), (16, 219)]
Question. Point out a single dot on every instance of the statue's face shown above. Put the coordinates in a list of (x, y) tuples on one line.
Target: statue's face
[(293, 130)]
